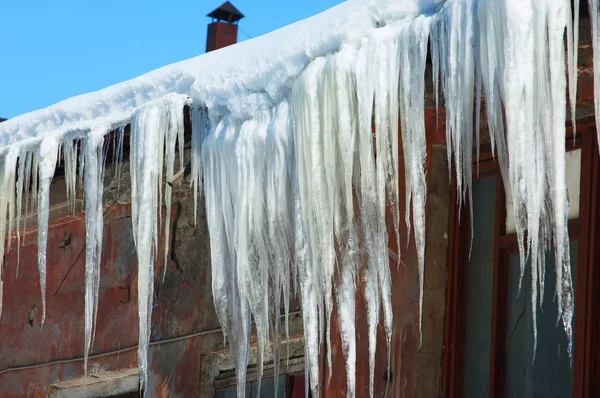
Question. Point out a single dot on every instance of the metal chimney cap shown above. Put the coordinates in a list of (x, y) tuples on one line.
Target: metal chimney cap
[(227, 12)]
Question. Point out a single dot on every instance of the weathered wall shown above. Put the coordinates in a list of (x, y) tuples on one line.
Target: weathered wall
[(186, 336), (188, 353), (32, 358), (429, 364)]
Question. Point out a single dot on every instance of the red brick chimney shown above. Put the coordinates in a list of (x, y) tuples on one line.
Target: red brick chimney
[(223, 29)]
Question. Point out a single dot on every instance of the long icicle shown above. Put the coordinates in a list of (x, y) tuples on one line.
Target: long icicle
[(148, 129), (48, 154), (94, 188)]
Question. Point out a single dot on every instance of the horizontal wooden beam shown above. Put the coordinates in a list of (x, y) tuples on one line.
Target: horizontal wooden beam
[(104, 385)]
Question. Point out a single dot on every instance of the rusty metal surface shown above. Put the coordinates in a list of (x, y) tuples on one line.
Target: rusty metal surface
[(25, 348)]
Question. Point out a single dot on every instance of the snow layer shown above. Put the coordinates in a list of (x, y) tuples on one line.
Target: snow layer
[(297, 186)]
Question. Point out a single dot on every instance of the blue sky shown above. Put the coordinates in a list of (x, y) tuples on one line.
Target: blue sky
[(51, 50)]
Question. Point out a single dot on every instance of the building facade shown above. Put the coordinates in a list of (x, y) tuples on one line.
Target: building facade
[(475, 338)]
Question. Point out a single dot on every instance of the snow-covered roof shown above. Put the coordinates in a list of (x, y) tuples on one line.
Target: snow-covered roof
[(236, 79)]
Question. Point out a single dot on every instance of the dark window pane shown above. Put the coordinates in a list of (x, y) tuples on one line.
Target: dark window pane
[(267, 389), (231, 392), (550, 375), (479, 291)]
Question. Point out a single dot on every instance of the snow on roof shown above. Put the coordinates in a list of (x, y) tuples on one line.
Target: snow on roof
[(236, 79)]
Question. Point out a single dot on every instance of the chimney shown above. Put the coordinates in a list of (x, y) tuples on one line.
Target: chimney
[(223, 29)]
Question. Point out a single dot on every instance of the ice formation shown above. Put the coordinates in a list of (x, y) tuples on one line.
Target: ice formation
[(94, 187), (298, 158)]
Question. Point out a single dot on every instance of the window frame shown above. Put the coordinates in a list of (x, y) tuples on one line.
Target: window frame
[(587, 327)]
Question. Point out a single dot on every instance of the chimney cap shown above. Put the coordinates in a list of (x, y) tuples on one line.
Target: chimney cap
[(226, 12)]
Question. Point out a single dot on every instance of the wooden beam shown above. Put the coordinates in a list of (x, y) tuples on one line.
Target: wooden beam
[(104, 385)]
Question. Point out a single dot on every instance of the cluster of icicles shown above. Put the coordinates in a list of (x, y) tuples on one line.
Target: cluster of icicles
[(296, 196)]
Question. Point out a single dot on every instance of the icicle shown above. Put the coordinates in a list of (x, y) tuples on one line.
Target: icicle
[(230, 303), (278, 213), (378, 178), (94, 188), (7, 174), (8, 164), (24, 157), (344, 220), (304, 260), (10, 178), (35, 180), (199, 127), (558, 19), (310, 314), (368, 198), (70, 149), (48, 153), (315, 154), (149, 128), (412, 116), (573, 58), (119, 159), (29, 172), (250, 223), (346, 312), (173, 134)]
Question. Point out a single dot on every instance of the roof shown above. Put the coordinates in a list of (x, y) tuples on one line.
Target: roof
[(247, 77), (226, 12)]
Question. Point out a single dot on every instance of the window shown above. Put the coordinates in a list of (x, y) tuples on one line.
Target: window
[(551, 374), (219, 379), (289, 386), (489, 347), (479, 290)]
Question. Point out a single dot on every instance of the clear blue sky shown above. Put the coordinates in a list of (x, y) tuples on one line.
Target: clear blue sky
[(51, 50)]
